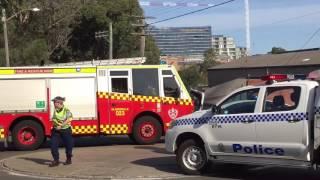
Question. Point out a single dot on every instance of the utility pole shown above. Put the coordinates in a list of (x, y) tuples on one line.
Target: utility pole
[(110, 41), (5, 32), (5, 29), (103, 34), (142, 33)]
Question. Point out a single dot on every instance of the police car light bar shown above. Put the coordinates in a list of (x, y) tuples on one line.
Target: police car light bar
[(283, 77), (275, 77)]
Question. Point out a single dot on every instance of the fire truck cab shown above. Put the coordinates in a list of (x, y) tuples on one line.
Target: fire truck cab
[(139, 101), (277, 123)]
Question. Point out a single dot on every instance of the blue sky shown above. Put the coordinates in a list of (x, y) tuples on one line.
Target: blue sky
[(281, 23)]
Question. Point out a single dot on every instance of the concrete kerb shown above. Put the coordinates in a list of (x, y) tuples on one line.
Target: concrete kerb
[(119, 171)]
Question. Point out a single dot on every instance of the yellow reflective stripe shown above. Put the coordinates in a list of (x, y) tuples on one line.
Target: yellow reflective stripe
[(2, 134), (7, 71), (88, 70), (73, 70), (184, 89)]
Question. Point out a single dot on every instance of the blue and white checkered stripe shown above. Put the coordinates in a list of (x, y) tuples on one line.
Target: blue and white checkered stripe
[(192, 121), (222, 119)]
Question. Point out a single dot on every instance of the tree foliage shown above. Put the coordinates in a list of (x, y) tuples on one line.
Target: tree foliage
[(152, 51), (195, 75), (191, 77), (64, 31), (277, 50), (210, 57)]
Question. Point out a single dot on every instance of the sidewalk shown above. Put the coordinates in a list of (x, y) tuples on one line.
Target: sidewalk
[(102, 162)]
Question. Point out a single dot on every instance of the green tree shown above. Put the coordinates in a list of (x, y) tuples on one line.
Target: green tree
[(191, 77), (96, 17), (64, 31), (277, 50), (47, 30), (210, 57), (152, 52)]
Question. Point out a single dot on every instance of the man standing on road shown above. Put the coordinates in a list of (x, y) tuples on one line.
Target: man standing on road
[(62, 118)]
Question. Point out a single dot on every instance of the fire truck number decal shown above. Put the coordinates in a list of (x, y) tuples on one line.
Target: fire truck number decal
[(120, 111)]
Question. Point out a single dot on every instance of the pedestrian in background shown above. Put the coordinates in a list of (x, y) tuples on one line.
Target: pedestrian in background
[(62, 118)]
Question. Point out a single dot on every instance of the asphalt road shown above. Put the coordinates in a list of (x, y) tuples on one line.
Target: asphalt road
[(4, 153), (220, 171)]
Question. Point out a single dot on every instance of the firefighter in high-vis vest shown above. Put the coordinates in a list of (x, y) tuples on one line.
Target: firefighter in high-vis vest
[(62, 118)]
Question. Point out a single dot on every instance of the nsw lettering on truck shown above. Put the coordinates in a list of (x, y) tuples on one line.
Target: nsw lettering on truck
[(276, 123), (135, 100)]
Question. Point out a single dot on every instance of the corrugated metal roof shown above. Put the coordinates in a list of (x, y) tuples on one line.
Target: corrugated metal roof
[(302, 58)]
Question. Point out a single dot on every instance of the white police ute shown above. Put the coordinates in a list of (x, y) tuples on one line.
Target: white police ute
[(273, 124)]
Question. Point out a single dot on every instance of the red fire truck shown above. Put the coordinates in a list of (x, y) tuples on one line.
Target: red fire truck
[(139, 101)]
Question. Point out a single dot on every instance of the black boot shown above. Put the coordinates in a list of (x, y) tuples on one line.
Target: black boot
[(54, 163), (68, 161)]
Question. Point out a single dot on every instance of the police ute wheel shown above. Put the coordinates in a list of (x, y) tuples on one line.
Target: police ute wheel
[(27, 135), (147, 130), (191, 157)]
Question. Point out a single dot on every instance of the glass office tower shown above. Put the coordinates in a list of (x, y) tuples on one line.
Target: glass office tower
[(182, 41)]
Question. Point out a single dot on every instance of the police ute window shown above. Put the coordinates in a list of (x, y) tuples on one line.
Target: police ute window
[(281, 98), (241, 102)]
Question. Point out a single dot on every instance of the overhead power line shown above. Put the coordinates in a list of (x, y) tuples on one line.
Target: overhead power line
[(174, 4), (167, 10), (192, 12), (296, 55), (290, 19), (310, 38)]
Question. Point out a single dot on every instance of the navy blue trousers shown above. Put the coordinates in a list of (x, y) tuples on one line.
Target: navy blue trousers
[(66, 136)]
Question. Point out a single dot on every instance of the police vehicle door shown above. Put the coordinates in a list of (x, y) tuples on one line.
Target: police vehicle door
[(282, 125), (234, 124)]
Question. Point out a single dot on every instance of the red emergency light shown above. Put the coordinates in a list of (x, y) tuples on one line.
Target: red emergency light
[(275, 77)]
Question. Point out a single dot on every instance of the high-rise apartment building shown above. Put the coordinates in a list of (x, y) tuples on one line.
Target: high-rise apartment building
[(226, 47), (182, 41)]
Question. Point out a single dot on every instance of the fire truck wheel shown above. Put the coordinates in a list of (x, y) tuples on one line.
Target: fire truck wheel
[(147, 130), (27, 135), (191, 157), (131, 137)]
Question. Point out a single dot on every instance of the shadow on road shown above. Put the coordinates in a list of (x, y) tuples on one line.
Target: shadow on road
[(165, 164), (260, 172), (86, 142), (233, 171), (37, 160), (159, 150)]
